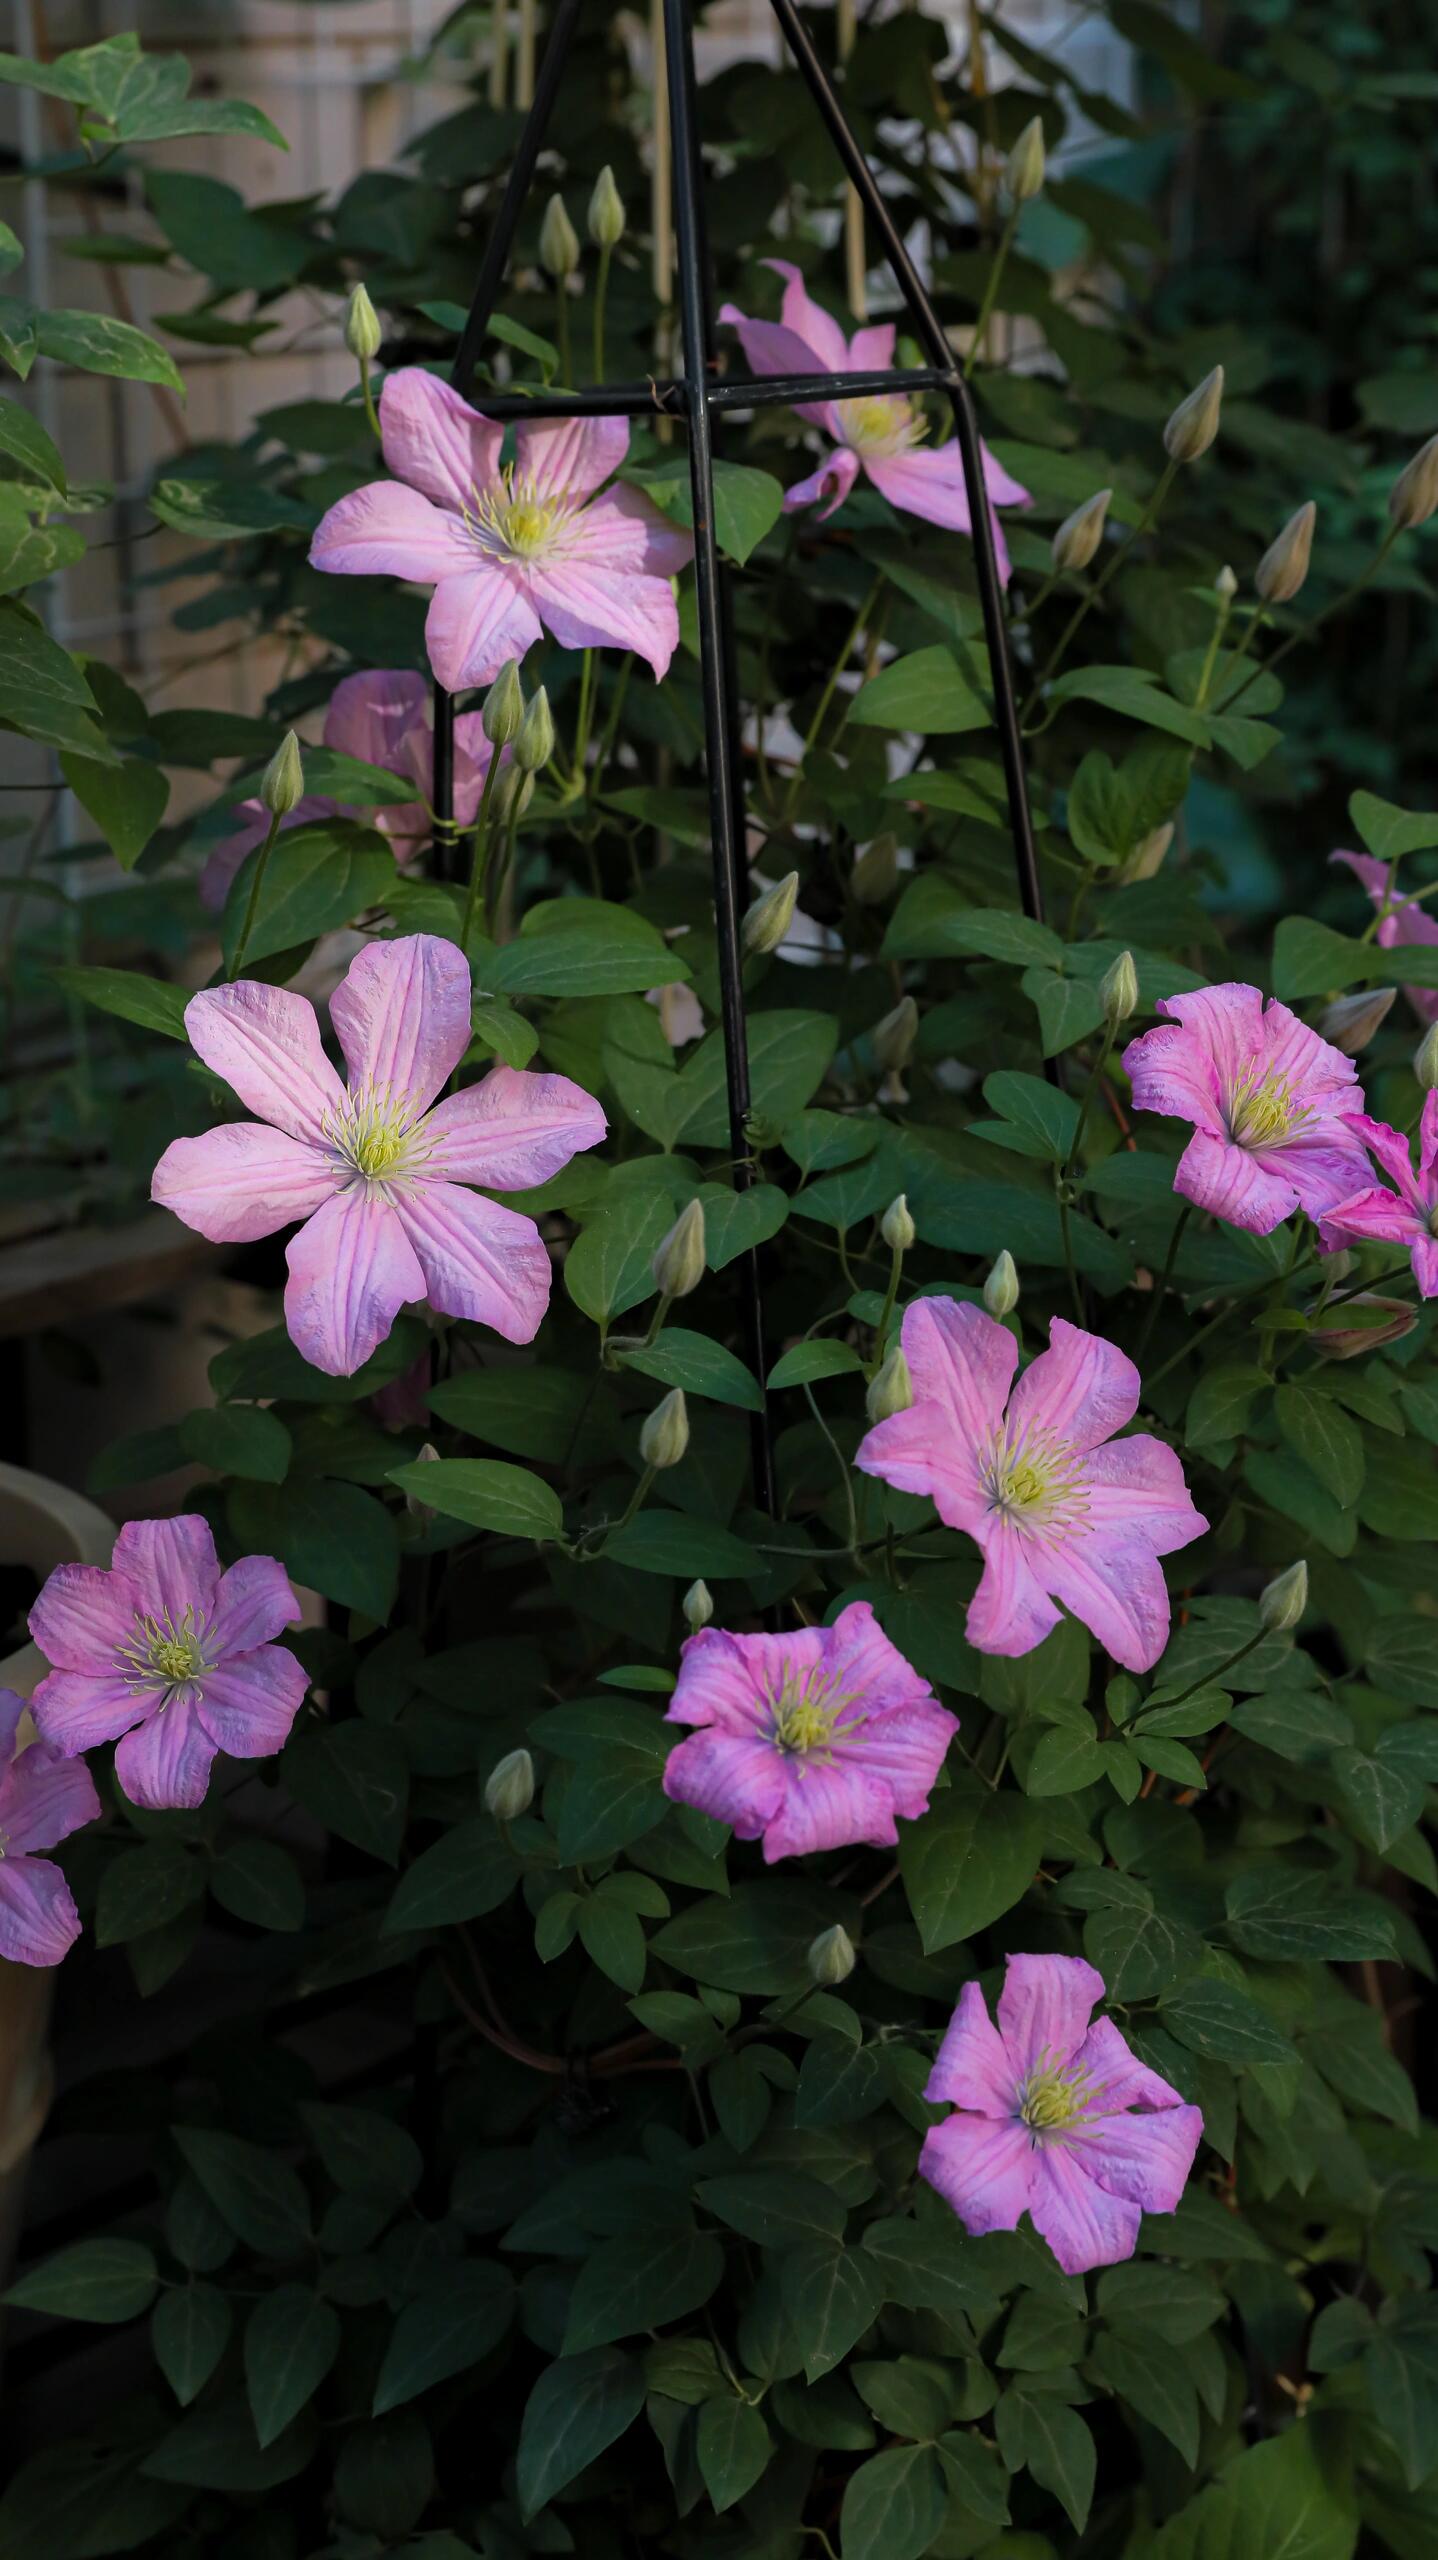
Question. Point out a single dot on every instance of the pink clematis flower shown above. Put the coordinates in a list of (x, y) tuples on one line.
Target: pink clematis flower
[(170, 1653), (374, 1169), (1408, 922), (807, 1741), (1406, 1216), (1269, 1101), (1059, 1515), (879, 433), (43, 1798), (1057, 2118), (510, 550)]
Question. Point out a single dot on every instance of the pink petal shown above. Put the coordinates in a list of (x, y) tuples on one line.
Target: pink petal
[(592, 608), (1425, 1266), (1083, 2225), (472, 753), (12, 1708), (370, 716), (1394, 1152), (972, 2068), (732, 1681), (929, 483), (872, 350), (982, 2169), (738, 1782), (167, 1760), (1082, 1389), (1172, 1072), (83, 1615), (1044, 2009), (1227, 1023), (265, 1043), (1114, 1583), (829, 1804), (250, 1703), (434, 440), (479, 619), (912, 1452), (625, 530), (387, 530), (1324, 1166), (172, 1564), (1120, 2079), (809, 321), (478, 1260), (862, 1660), (1011, 1611), (1372, 873), (904, 1751), (1323, 1076), (1143, 2157), (242, 1180), (401, 1015), (77, 1710), (45, 1798), (254, 1603), (1138, 1484), (38, 1919), (831, 483), (569, 457), (1234, 1185), (1373, 1216), (351, 1270), (512, 1130)]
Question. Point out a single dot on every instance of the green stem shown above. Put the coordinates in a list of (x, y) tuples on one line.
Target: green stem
[(1316, 621), (585, 719), (499, 881), (1164, 1277), (595, 777), (601, 291), (986, 307), (561, 329), (368, 398), (481, 846), (841, 1463), (1110, 569), (826, 697), (252, 903), (890, 1294), (1259, 1289)]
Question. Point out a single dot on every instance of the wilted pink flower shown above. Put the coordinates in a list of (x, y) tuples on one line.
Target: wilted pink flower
[(1409, 922), (372, 1169), (513, 549), (809, 1741), (169, 1652), (1270, 1104), (879, 433), (681, 1015), (1408, 1216), (43, 1798), (1057, 2118), (1059, 1515)]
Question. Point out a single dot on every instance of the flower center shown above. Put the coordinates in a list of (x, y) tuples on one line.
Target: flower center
[(1055, 2097), (512, 516), (1262, 1110), (880, 424), (807, 1715), (371, 1134), (1035, 1481), (161, 1650)]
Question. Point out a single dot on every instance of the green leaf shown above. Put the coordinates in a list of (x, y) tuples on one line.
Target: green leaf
[(1389, 832), (1286, 2496), (578, 2408), (971, 1859), (460, 1877), (333, 1538), (810, 1362), (909, 2398), (486, 1493), (456, 2322), (1037, 2433), (747, 503), (1219, 1406), (42, 691), (608, 1268), (1325, 1437), (641, 2281), (928, 691), (1037, 1109), (788, 1053), (614, 1797), (101, 2280), (701, 1366), (581, 947), (1383, 1799), (255, 2191), (215, 2448), (1222, 2024), (894, 2504), (1152, 2378), (144, 1889), (1136, 695), (237, 1440), (755, 1940), (27, 443), (292, 2338), (258, 1881), (1065, 1761), (146, 1001), (354, 1778), (1162, 2301), (534, 1413), (96, 342), (317, 878), (1285, 1917), (189, 2330), (1140, 1951), (365, 2153), (776, 2208), (733, 2446), (1402, 1657), (831, 2296), (126, 801), (672, 1542)]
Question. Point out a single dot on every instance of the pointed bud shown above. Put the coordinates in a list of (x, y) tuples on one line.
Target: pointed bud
[(1367, 1323), (1425, 1059), (665, 1434), (504, 706), (832, 1958), (606, 211), (1147, 855), (1225, 585), (698, 1606), (1414, 493), (1350, 1021), (363, 333), (897, 1227), (1118, 990), (282, 784), (1282, 1602), (558, 243), (875, 875), (1194, 423), (769, 918), (891, 1388), (509, 1788), (534, 745), (1024, 168), (1001, 1289), (1284, 566), (1080, 534), (512, 794), (893, 1038), (678, 1264), (419, 1510)]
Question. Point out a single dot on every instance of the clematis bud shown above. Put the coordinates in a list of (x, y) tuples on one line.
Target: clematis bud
[(769, 918), (363, 333), (558, 242), (503, 710), (1080, 534), (606, 211), (891, 1388), (832, 1958), (678, 1264), (534, 744), (1194, 423), (1147, 855), (1118, 990), (1281, 1603), (1225, 585), (1414, 493), (512, 794), (894, 1037), (1350, 1021), (897, 1227), (875, 875), (1024, 169), (1391, 1320), (1425, 1059), (698, 1606), (1284, 566), (419, 1510), (665, 1435), (1001, 1289), (282, 784), (509, 1788)]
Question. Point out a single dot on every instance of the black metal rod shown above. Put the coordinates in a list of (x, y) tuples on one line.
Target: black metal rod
[(671, 399), (931, 331), (725, 819)]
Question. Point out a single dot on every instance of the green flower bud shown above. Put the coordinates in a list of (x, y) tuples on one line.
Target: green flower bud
[(1080, 534), (606, 211), (1194, 423), (769, 918), (419, 1510), (1225, 585), (897, 1227), (875, 875), (678, 1264), (509, 1788), (282, 784), (534, 744), (1284, 566), (1414, 493), (363, 333), (1282, 1602), (1001, 1289), (1367, 1323), (1350, 1022), (503, 710), (1425, 1059), (558, 242), (1147, 855), (832, 1958), (893, 1038), (1118, 990), (665, 1435), (698, 1606), (891, 1388), (1024, 169)]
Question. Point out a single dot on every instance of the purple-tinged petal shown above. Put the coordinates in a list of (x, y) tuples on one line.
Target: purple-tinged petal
[(172, 1564), (911, 1452), (1138, 1484), (828, 486), (868, 1666), (83, 1615), (809, 321), (512, 1130), (984, 2170), (1173, 1073), (242, 1180), (254, 1604), (1425, 1266), (1083, 2224), (401, 1015), (1323, 1165), (569, 457), (829, 1804), (388, 531), (45, 1797), (12, 1708), (871, 350), (1081, 1390), (1373, 1216), (904, 1750), (477, 622), (962, 1364), (250, 1703), (1145, 2156), (479, 1260), (77, 1710), (624, 530), (973, 2068), (167, 1760), (732, 1681), (587, 607), (351, 1270), (1227, 1023), (1326, 1078), (1044, 2009), (1233, 1185), (370, 716), (738, 1782), (434, 440), (1011, 1611), (1119, 2078), (1367, 869), (265, 1043), (472, 753), (38, 1919), (770, 348), (1114, 1583)]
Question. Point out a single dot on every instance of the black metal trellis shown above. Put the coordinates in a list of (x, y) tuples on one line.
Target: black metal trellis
[(696, 398)]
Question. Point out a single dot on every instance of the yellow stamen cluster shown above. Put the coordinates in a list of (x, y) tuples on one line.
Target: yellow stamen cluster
[(807, 1713), (1055, 2096), (513, 514), (1035, 1481), (371, 1133), (879, 425), (164, 1651), (1262, 1110)]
